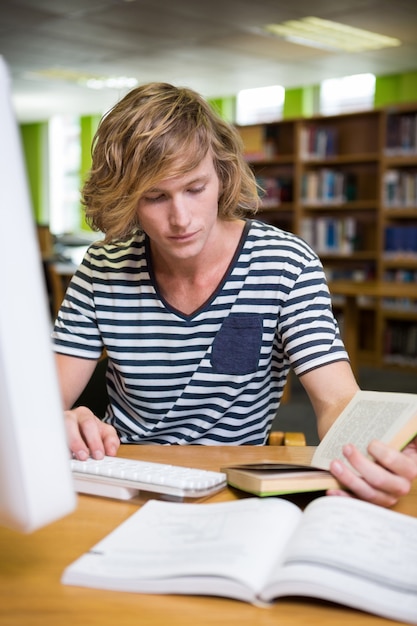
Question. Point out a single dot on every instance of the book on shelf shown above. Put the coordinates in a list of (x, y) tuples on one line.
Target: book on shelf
[(400, 342), (401, 133), (400, 189), (388, 416), (400, 240), (259, 550), (400, 275), (318, 142), (336, 235), (260, 142), (274, 190), (254, 142), (325, 186)]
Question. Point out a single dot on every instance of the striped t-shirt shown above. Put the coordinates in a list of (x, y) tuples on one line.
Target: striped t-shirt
[(215, 376)]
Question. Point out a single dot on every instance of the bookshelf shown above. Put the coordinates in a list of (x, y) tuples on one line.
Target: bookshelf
[(398, 261), (347, 184)]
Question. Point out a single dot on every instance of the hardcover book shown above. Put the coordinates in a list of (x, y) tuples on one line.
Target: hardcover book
[(388, 416)]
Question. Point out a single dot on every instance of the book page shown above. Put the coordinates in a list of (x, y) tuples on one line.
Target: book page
[(370, 415), (165, 541), (362, 554)]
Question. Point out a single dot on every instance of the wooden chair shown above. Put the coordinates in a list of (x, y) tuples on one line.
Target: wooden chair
[(58, 278), (45, 241), (56, 286), (279, 438)]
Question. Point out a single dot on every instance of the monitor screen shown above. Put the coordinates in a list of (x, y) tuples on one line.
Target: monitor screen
[(36, 485)]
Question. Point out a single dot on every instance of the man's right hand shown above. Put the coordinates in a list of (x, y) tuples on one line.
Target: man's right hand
[(88, 436)]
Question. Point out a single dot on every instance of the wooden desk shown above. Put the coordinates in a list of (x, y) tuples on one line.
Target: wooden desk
[(31, 565), (352, 290)]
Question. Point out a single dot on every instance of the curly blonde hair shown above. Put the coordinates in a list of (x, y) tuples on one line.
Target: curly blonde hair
[(159, 131)]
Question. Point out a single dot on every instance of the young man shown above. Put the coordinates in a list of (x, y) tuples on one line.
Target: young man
[(201, 311)]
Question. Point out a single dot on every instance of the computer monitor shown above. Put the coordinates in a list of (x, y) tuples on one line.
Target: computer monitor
[(36, 485)]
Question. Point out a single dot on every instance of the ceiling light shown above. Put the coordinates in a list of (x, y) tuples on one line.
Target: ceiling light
[(111, 82), (316, 32), (87, 80)]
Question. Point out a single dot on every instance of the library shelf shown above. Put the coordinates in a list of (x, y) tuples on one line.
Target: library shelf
[(347, 184)]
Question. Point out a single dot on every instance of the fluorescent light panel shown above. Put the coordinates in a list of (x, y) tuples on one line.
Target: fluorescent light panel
[(316, 32), (88, 80)]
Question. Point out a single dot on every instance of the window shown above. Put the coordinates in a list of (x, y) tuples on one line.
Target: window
[(261, 105), (64, 178), (350, 93)]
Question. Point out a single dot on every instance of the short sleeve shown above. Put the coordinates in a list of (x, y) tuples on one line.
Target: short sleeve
[(75, 330), (309, 329)]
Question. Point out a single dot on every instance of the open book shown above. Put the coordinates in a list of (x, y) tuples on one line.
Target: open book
[(257, 550), (388, 416)]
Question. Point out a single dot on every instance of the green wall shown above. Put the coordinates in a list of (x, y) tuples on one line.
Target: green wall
[(35, 148), (300, 102), (89, 124), (226, 107), (395, 89)]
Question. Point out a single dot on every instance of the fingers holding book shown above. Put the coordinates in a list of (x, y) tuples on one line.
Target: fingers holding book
[(381, 480)]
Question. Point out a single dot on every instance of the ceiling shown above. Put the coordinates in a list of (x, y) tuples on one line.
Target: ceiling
[(213, 46)]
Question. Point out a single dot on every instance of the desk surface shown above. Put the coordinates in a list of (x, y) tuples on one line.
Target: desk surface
[(31, 565)]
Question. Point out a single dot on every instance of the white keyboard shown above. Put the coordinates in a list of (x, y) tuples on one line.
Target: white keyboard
[(115, 477)]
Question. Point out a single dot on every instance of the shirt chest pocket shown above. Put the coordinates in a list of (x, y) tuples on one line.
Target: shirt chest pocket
[(237, 345)]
